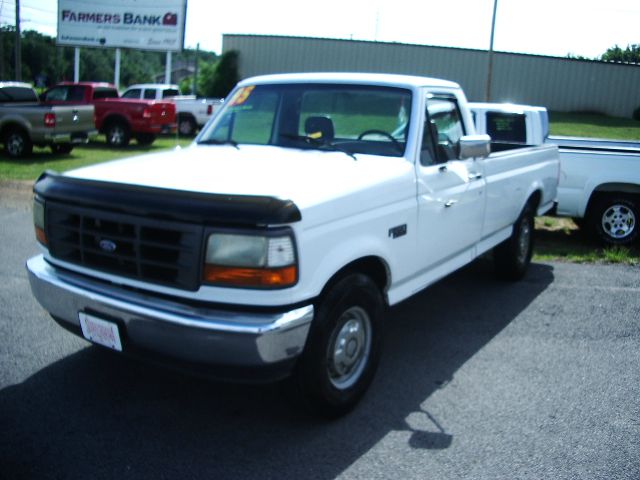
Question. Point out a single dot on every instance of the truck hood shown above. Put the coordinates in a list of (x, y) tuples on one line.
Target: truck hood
[(312, 179)]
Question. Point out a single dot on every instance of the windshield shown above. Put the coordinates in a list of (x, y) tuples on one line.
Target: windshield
[(349, 118)]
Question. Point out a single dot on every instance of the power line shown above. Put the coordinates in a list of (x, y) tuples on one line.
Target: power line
[(38, 9)]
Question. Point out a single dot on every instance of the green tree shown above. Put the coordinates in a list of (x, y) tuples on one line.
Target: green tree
[(206, 78), (186, 85), (44, 62), (217, 80), (631, 54)]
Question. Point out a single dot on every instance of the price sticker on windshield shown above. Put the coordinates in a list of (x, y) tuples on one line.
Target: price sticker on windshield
[(241, 95)]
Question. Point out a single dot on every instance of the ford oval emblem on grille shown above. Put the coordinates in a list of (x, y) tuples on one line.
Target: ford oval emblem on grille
[(108, 246)]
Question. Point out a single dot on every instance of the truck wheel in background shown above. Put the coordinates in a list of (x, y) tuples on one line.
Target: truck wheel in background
[(145, 139), (513, 256), (186, 125), (343, 348), (118, 134), (614, 219), (61, 148), (17, 143)]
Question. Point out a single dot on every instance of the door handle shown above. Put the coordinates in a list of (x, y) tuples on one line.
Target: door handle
[(475, 176), (450, 203)]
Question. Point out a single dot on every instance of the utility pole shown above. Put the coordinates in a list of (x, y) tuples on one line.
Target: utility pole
[(487, 95), (194, 89), (2, 75), (18, 56)]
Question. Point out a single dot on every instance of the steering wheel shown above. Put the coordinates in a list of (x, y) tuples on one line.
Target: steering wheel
[(395, 142)]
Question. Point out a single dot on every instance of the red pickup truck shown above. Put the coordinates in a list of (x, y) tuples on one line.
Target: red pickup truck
[(118, 118)]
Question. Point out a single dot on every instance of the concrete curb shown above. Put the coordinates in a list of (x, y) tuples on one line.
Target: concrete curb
[(16, 193), (17, 185)]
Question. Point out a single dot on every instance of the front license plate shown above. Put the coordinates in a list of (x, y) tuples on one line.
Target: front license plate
[(100, 331)]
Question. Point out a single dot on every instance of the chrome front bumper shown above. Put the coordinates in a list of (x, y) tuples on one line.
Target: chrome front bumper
[(194, 334)]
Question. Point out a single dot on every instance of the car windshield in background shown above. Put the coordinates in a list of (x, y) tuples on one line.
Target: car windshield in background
[(349, 118)]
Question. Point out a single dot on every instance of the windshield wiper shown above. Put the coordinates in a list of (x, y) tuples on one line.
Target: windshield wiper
[(317, 144), (213, 141), (332, 147)]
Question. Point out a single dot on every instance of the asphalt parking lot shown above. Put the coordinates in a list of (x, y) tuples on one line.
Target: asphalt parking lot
[(480, 380)]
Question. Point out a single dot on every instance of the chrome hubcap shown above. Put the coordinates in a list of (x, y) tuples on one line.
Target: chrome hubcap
[(618, 221), (350, 347)]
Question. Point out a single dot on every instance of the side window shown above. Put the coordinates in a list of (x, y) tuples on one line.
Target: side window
[(170, 92), (507, 127), (149, 94), (57, 94), (18, 94), (445, 127), (75, 94), (105, 93), (132, 93)]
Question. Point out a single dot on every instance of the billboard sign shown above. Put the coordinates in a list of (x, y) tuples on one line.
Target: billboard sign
[(139, 24)]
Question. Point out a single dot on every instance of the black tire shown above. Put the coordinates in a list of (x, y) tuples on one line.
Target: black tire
[(17, 143), (513, 256), (61, 148), (186, 126), (614, 219), (350, 315), (118, 134), (145, 139)]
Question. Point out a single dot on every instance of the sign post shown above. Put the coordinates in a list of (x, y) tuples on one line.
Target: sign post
[(76, 64)]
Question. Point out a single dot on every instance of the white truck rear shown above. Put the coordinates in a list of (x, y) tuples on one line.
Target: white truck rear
[(599, 180)]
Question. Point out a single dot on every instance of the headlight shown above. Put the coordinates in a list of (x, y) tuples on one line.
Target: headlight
[(38, 221), (250, 260)]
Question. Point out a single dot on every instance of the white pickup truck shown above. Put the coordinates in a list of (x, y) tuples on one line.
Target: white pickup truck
[(599, 181), (192, 112), (272, 246)]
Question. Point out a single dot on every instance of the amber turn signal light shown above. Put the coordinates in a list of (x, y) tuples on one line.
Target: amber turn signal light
[(251, 277)]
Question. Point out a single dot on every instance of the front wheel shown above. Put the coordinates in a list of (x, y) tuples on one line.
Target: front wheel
[(513, 256), (614, 219), (344, 346)]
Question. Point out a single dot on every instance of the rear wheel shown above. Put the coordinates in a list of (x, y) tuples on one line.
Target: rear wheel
[(344, 346), (17, 143), (513, 256), (614, 219), (186, 126), (118, 134)]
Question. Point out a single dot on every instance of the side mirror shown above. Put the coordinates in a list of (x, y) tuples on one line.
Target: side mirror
[(475, 146)]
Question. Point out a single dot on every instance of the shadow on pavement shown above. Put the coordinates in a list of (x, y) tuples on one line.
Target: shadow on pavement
[(99, 415)]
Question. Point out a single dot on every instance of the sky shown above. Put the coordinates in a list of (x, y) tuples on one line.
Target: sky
[(544, 27)]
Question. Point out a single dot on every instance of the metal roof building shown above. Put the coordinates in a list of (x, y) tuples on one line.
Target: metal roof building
[(559, 84)]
